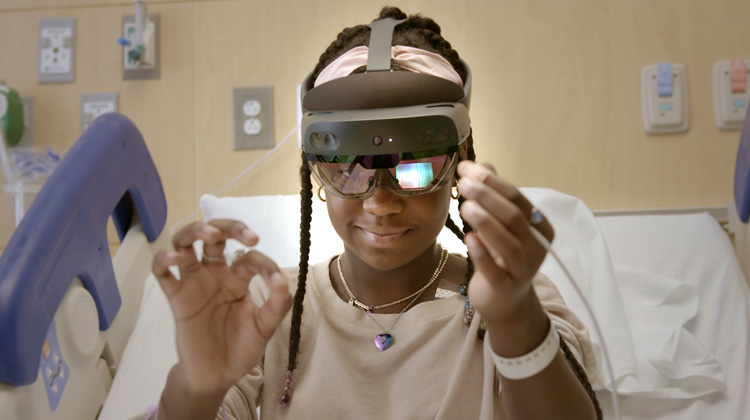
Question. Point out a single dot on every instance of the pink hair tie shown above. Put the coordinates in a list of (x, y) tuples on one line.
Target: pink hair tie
[(413, 59)]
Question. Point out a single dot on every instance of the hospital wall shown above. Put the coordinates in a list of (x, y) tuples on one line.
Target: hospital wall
[(556, 99)]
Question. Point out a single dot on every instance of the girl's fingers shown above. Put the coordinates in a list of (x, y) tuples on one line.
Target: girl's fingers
[(214, 235), (484, 262), (229, 229), (502, 246), (252, 263), (503, 218), (236, 230), (502, 209), (160, 268), (183, 240), (483, 175), (269, 316)]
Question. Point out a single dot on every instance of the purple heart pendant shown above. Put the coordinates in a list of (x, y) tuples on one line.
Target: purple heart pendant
[(383, 341)]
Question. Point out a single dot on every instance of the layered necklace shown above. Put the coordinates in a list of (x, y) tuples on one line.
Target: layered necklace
[(385, 339)]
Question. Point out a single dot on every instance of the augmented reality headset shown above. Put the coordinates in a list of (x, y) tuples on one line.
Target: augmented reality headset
[(381, 128)]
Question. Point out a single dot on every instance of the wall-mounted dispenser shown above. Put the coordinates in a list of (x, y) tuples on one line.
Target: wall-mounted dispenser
[(664, 98), (731, 93), (140, 42)]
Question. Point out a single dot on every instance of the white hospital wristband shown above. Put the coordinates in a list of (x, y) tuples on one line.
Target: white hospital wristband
[(530, 364)]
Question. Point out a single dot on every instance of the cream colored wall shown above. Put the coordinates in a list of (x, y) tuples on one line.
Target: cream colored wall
[(556, 99)]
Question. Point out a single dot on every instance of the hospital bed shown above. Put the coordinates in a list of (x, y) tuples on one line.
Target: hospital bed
[(666, 289)]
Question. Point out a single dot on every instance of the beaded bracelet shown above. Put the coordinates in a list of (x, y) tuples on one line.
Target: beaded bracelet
[(531, 363)]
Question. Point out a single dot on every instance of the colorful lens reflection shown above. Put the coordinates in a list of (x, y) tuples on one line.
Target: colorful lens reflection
[(414, 175)]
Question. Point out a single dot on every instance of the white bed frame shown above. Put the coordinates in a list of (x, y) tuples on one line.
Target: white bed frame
[(93, 355), (739, 232), (109, 167)]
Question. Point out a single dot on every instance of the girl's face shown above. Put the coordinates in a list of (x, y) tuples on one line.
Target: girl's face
[(387, 231)]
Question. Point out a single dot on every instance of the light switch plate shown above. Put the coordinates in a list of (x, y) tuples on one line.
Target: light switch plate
[(57, 50), (663, 115), (729, 108), (132, 70), (27, 139), (253, 117), (95, 104)]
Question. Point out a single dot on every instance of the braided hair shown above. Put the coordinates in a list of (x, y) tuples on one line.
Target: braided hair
[(419, 32)]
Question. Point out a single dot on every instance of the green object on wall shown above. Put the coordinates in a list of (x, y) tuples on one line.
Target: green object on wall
[(11, 115)]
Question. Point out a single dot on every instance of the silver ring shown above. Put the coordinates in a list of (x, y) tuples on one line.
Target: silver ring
[(536, 217), (213, 258), (238, 254)]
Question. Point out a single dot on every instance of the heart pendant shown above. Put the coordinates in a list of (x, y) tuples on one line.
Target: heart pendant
[(383, 341)]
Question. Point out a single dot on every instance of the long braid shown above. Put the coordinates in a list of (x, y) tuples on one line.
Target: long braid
[(299, 296), (304, 250), (450, 224), (470, 155), (461, 233), (582, 376)]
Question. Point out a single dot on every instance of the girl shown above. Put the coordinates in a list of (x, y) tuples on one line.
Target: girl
[(395, 327)]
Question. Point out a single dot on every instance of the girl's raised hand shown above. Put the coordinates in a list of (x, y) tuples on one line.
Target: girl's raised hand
[(504, 251), (220, 333)]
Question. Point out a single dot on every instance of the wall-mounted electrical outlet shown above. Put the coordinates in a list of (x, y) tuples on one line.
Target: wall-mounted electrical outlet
[(136, 65), (253, 117), (56, 50), (27, 139), (96, 104)]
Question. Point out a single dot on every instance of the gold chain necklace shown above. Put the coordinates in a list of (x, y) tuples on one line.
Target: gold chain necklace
[(358, 303), (385, 339)]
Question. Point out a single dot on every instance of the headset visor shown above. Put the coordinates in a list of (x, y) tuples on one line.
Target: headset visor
[(406, 174)]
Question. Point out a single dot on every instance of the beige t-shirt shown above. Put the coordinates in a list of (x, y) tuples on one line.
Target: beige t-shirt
[(436, 368)]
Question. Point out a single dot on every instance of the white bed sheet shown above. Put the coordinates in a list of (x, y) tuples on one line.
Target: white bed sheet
[(700, 255), (147, 359)]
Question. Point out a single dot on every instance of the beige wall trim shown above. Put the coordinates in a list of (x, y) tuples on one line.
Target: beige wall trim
[(719, 213)]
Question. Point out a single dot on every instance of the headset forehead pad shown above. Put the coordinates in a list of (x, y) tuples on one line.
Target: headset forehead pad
[(381, 90)]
